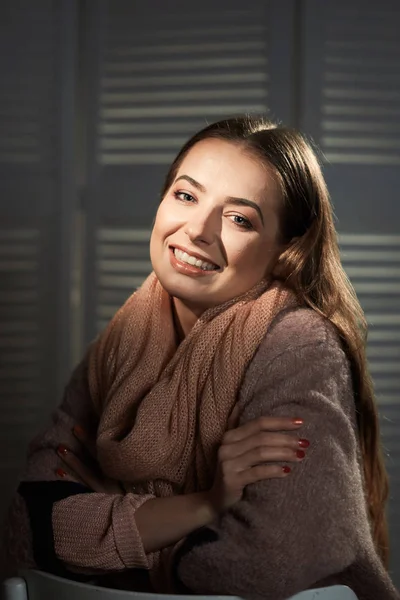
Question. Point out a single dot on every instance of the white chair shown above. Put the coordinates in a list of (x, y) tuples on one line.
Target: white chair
[(334, 592), (36, 585)]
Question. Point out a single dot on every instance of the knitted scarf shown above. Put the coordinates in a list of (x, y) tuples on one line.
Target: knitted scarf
[(164, 406)]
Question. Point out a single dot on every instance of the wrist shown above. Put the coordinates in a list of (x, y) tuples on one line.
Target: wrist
[(208, 512)]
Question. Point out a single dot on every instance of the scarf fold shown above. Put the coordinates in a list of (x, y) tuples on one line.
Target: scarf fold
[(164, 407)]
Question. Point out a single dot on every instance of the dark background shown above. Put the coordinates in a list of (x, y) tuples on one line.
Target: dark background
[(96, 97)]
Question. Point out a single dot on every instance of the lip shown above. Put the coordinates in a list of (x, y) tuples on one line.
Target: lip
[(185, 268), (195, 254)]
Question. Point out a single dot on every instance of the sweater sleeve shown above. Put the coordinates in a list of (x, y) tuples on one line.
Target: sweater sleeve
[(98, 532), (72, 526), (287, 534)]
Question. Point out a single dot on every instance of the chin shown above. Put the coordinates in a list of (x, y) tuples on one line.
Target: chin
[(169, 281), (182, 293), (184, 290)]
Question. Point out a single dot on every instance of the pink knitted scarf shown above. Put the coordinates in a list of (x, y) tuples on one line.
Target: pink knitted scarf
[(164, 407)]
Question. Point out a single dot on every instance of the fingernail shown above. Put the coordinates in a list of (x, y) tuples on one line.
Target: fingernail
[(77, 429), (300, 454), (62, 450), (297, 421), (286, 469), (303, 443), (61, 473)]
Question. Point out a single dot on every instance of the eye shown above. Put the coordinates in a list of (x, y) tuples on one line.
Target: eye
[(184, 197), (242, 222)]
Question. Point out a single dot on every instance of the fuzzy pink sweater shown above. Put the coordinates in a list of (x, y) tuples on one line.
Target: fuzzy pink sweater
[(286, 535)]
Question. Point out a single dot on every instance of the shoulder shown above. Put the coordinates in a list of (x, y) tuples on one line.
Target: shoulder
[(298, 328), (300, 346)]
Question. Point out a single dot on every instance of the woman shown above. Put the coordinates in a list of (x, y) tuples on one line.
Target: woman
[(247, 329)]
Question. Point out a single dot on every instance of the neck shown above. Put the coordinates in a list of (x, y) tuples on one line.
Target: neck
[(185, 317)]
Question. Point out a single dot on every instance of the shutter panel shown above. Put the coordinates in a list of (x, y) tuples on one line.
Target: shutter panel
[(156, 74), (35, 120), (122, 265), (351, 100), (373, 265)]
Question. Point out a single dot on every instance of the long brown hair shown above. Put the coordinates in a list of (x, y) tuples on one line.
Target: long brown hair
[(311, 266)]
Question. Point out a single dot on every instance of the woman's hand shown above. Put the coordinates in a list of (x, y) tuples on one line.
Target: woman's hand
[(251, 453)]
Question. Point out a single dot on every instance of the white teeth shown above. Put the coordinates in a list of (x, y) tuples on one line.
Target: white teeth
[(191, 260)]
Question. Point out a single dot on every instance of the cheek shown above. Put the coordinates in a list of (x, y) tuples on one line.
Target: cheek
[(164, 221), (250, 256), (158, 232), (242, 252)]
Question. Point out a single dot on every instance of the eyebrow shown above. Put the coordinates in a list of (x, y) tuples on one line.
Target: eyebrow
[(231, 199), (195, 183)]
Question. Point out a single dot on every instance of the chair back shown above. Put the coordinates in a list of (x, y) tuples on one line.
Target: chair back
[(334, 592), (36, 585)]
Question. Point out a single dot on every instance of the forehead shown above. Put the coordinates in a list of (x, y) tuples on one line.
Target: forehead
[(227, 168)]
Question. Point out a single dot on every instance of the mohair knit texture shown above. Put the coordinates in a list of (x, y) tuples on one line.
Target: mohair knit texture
[(286, 535)]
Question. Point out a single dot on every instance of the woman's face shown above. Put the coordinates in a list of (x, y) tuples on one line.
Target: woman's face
[(217, 228)]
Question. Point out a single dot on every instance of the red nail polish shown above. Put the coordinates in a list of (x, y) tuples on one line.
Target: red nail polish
[(61, 473), (303, 443), (62, 450), (297, 421), (300, 454), (77, 429), (286, 469)]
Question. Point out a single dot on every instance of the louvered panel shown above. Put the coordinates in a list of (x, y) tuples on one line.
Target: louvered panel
[(360, 88), (123, 263), (36, 62), (19, 285), (373, 265), (166, 74), (351, 107), (24, 350), (27, 71)]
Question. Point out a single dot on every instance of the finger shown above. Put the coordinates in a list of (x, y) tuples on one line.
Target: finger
[(80, 470), (261, 473), (87, 441), (263, 438), (233, 418), (262, 424), (261, 455)]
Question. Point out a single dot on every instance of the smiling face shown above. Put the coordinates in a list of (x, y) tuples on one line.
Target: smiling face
[(216, 232)]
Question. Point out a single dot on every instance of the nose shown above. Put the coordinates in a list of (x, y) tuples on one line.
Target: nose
[(203, 227)]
